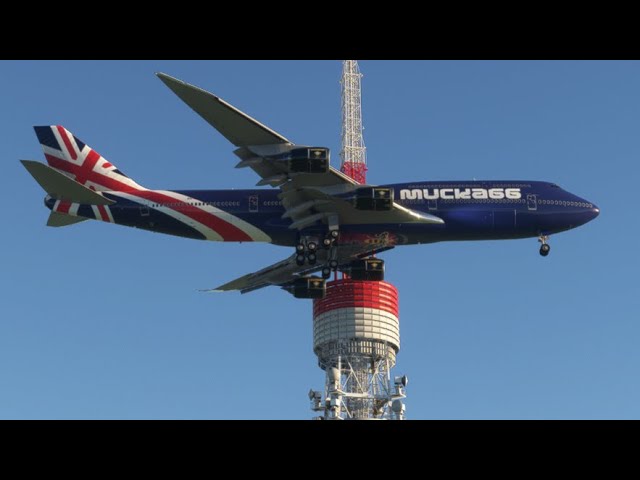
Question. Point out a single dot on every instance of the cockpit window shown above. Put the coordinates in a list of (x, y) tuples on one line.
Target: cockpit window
[(554, 185)]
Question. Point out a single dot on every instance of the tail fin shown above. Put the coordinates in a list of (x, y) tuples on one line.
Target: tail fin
[(71, 156)]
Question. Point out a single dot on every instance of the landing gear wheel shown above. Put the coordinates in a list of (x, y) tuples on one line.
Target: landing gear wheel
[(312, 246), (545, 248), (300, 248), (327, 242), (312, 258), (300, 260), (334, 234), (326, 273), (333, 265)]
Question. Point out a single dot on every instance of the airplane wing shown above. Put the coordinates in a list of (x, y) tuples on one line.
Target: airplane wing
[(285, 272), (308, 198), (247, 133), (327, 205), (236, 126)]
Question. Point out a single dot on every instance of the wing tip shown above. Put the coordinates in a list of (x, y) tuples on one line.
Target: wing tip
[(168, 79)]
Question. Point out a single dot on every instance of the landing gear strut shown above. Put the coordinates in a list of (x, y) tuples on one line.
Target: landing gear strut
[(545, 248)]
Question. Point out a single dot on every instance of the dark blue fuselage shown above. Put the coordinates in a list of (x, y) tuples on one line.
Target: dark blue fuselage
[(477, 210)]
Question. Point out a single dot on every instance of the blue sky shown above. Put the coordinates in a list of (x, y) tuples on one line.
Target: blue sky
[(101, 321)]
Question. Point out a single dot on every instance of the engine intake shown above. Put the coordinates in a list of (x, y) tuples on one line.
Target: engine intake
[(309, 287), (368, 270), (374, 199), (305, 160)]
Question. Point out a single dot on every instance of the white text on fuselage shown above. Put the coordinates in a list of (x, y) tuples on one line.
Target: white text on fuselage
[(460, 193)]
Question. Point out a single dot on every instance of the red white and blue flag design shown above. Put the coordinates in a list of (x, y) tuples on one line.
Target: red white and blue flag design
[(69, 155)]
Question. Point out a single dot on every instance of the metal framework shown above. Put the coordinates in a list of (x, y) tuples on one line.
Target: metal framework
[(354, 153), (359, 387), (356, 337), (356, 328)]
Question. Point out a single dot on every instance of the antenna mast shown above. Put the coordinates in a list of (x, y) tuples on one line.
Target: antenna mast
[(354, 153), (356, 327)]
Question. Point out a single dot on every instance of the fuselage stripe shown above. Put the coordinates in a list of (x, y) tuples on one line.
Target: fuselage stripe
[(228, 231), (205, 231)]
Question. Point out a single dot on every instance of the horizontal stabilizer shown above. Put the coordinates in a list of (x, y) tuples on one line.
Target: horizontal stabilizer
[(61, 187), (236, 126), (61, 220)]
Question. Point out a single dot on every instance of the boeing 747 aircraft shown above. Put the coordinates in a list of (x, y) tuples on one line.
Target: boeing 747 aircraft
[(331, 222)]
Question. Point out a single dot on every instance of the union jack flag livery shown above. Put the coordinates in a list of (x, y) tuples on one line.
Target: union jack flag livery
[(331, 222), (69, 155)]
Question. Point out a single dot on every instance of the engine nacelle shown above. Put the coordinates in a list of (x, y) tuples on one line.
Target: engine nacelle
[(374, 199), (309, 287), (368, 270), (304, 160)]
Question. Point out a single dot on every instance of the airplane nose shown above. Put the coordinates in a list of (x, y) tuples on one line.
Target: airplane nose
[(593, 213)]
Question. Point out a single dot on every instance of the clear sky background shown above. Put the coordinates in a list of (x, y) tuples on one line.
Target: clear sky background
[(101, 321)]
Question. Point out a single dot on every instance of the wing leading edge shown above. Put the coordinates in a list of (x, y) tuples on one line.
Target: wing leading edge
[(236, 126)]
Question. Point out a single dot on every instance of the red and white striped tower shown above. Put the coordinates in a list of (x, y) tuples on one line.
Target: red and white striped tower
[(356, 328)]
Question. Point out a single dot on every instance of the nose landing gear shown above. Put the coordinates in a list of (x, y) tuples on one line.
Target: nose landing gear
[(545, 248)]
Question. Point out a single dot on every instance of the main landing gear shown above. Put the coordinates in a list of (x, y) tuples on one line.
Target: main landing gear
[(307, 248), (545, 248), (306, 251), (327, 270), (330, 239)]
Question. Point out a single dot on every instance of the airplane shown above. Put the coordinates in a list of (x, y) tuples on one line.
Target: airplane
[(330, 221)]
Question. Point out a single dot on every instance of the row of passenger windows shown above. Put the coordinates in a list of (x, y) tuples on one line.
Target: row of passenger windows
[(503, 201), (405, 202), (485, 200), (465, 201), (196, 204), (475, 185), (563, 203)]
